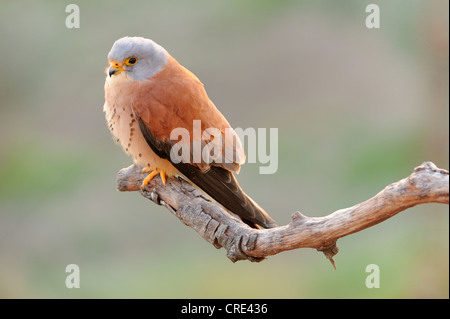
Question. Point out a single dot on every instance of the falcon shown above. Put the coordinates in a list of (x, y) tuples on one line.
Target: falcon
[(148, 94)]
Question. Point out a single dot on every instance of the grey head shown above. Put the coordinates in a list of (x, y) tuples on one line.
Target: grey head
[(141, 58)]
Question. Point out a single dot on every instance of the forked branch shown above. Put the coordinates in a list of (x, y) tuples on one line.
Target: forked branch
[(427, 184)]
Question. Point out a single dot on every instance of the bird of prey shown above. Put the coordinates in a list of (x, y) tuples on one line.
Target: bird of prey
[(148, 94)]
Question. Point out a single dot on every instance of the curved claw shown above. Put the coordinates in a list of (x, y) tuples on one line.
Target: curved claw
[(152, 174)]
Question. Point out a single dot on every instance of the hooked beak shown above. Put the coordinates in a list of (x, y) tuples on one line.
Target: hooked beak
[(115, 68)]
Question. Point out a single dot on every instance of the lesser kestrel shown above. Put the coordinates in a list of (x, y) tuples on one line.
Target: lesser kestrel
[(148, 94)]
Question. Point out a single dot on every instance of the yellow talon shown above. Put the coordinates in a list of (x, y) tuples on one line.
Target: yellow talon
[(152, 174), (163, 177)]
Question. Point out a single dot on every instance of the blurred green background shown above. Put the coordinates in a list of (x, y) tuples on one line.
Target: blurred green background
[(356, 109)]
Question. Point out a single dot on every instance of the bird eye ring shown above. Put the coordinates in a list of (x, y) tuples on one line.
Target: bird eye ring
[(130, 61)]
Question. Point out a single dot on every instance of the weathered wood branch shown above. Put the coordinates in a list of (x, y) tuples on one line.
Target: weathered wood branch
[(427, 184)]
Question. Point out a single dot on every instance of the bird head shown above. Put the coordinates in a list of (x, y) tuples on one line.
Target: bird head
[(137, 58)]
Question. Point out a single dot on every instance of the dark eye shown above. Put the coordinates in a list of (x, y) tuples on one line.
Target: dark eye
[(131, 60)]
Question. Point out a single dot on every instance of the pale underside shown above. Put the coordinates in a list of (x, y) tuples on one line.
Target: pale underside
[(125, 130)]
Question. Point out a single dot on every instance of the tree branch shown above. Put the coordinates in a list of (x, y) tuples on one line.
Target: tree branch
[(427, 184)]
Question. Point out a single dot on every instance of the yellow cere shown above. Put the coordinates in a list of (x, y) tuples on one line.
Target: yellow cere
[(117, 66)]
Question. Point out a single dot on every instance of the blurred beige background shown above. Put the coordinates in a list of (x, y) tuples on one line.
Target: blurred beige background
[(356, 109)]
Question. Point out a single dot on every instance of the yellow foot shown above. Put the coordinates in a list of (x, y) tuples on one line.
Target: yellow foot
[(153, 173)]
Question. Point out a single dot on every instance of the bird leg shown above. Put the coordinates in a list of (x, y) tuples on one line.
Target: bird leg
[(153, 173)]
